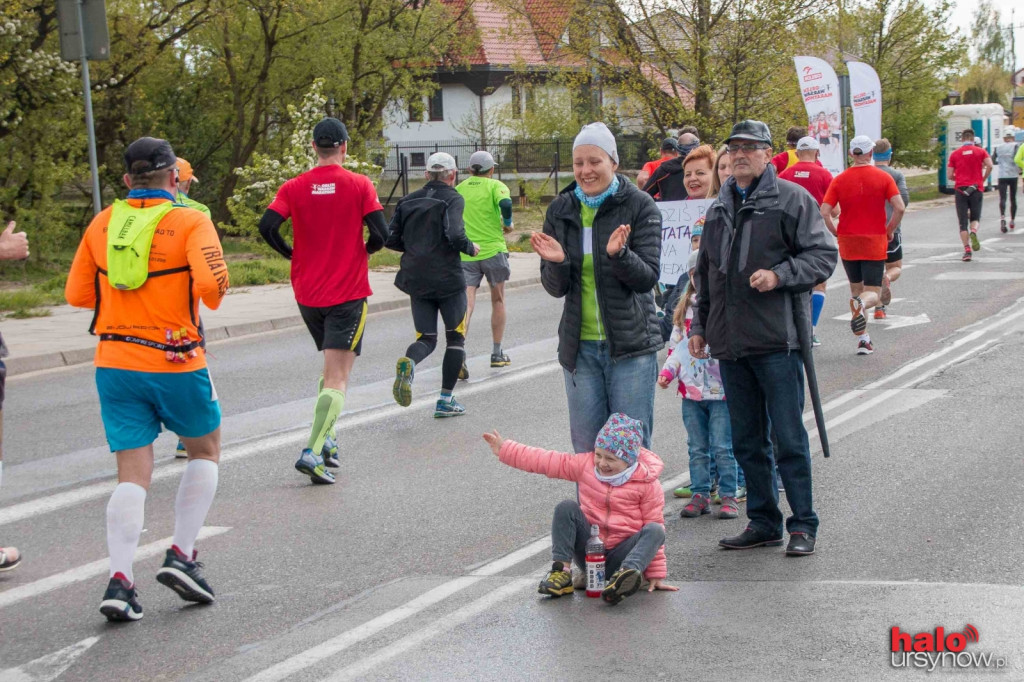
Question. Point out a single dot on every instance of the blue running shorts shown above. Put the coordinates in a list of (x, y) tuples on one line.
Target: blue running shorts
[(134, 404)]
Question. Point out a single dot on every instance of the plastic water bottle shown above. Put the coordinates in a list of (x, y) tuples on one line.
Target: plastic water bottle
[(595, 563)]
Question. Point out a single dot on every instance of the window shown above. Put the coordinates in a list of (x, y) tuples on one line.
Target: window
[(436, 105), (531, 100), (416, 110), (517, 101), (419, 160)]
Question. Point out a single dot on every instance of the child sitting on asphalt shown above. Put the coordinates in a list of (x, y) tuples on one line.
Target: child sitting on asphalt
[(705, 416), (619, 492)]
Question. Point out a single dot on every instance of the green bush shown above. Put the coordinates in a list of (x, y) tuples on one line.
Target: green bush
[(255, 272)]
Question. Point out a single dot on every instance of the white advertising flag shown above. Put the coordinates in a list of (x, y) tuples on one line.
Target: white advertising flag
[(819, 86), (866, 97)]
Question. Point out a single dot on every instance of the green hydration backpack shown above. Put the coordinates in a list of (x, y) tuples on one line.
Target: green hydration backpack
[(129, 239)]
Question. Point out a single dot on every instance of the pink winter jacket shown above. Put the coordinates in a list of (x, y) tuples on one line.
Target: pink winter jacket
[(620, 511)]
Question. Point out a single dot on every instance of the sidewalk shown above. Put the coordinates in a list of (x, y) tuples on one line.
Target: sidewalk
[(62, 339)]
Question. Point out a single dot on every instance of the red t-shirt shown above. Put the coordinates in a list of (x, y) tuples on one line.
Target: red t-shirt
[(652, 166), (861, 193), (967, 162), (329, 261), (811, 177), (783, 160)]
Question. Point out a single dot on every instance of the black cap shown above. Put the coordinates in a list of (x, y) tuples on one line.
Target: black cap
[(669, 144), (148, 154), (330, 132), (750, 130)]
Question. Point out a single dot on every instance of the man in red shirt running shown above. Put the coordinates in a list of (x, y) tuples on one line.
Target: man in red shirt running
[(971, 166), (787, 158), (812, 176), (862, 191), (330, 273)]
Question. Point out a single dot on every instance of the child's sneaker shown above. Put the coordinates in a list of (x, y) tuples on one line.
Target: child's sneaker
[(558, 581), (330, 453), (119, 601), (623, 583), (180, 452), (698, 506), (683, 491), (741, 493), (448, 408), (730, 508), (184, 577)]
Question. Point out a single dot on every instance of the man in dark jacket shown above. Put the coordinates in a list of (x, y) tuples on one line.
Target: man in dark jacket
[(666, 182), (764, 247), (427, 228)]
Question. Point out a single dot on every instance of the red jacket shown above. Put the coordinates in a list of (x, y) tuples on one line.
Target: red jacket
[(620, 511)]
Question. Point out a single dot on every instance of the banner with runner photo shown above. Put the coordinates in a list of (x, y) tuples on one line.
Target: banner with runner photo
[(819, 86), (866, 98), (678, 218)]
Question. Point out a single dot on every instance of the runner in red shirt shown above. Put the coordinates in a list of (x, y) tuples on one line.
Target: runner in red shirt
[(862, 191), (971, 166), (330, 273), (812, 176), (787, 158), (669, 150)]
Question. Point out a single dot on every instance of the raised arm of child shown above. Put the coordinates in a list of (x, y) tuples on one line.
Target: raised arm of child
[(537, 460), (652, 510), (673, 364)]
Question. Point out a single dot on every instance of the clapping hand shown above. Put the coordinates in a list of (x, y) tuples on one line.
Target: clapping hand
[(495, 440), (618, 240), (547, 247)]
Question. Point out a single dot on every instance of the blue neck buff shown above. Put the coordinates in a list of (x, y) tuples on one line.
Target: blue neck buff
[(595, 202), (615, 480), (151, 194), (885, 156)]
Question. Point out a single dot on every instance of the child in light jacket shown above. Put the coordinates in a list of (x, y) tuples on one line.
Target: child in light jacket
[(619, 491), (706, 418)]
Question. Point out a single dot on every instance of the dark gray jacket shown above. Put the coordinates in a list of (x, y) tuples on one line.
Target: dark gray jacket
[(779, 228), (427, 228), (625, 284)]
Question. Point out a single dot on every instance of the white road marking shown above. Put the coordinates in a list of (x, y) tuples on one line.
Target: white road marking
[(893, 321), (978, 275), (444, 624), (48, 667), (92, 569)]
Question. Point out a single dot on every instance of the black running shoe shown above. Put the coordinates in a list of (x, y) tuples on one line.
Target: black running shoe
[(184, 577), (500, 360), (119, 601), (623, 583)]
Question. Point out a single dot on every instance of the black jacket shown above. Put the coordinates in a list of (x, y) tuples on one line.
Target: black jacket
[(427, 228), (625, 284), (779, 228), (666, 183)]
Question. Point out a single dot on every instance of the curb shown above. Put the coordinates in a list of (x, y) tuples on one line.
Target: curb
[(81, 356)]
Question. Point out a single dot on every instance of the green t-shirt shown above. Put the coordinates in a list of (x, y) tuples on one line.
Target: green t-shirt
[(482, 215), (192, 203), (591, 328)]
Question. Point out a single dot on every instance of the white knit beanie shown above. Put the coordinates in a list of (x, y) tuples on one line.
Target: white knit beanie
[(598, 135)]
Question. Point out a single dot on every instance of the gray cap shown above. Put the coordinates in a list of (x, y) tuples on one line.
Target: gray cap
[(439, 161), (481, 161), (597, 134)]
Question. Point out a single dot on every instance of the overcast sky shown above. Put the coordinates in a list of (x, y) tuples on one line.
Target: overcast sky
[(963, 13)]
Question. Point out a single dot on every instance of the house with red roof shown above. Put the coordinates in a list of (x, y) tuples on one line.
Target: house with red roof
[(519, 45)]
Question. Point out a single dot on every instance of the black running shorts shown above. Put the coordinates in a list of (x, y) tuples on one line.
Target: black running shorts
[(894, 252), (968, 206), (866, 272), (338, 327)]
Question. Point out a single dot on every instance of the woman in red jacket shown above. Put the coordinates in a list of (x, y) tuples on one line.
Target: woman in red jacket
[(619, 492)]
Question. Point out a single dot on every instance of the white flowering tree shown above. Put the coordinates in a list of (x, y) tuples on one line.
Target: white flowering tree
[(259, 181)]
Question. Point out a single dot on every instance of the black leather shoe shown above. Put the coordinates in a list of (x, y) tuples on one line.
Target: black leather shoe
[(751, 538), (800, 544)]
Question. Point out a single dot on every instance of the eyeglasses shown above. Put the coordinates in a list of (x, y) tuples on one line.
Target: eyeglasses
[(745, 148)]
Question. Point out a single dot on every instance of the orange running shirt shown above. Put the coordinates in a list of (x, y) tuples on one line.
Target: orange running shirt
[(861, 193), (184, 237)]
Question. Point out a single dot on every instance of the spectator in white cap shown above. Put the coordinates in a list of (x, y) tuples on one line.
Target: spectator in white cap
[(813, 177), (488, 217), (601, 251), (862, 192), (427, 229)]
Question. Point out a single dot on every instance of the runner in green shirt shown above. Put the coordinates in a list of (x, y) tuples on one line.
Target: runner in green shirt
[(186, 178), (488, 216)]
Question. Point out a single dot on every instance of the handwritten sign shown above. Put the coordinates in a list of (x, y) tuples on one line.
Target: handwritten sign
[(678, 218)]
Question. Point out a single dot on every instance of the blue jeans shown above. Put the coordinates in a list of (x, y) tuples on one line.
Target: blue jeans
[(765, 392), (601, 386), (709, 436)]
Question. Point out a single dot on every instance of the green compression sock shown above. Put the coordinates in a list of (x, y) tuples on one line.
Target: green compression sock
[(329, 404)]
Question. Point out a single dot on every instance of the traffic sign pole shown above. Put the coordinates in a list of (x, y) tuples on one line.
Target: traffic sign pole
[(97, 204)]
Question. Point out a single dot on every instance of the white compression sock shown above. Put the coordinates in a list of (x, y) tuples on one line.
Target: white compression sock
[(125, 514), (195, 495)]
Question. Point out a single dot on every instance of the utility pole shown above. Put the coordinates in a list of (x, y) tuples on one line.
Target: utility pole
[(97, 204)]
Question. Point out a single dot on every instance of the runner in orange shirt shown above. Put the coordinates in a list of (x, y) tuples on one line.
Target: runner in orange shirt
[(140, 265)]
